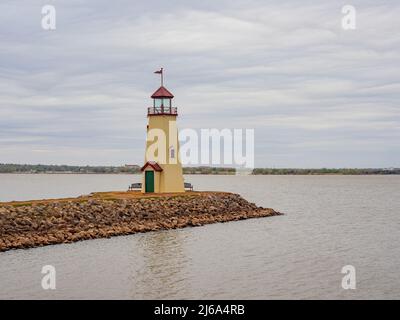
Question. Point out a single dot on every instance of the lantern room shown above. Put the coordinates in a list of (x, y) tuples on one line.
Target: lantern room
[(162, 103)]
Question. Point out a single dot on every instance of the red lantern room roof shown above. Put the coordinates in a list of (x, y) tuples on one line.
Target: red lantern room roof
[(162, 92)]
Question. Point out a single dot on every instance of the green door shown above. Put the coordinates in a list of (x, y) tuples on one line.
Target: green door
[(149, 181)]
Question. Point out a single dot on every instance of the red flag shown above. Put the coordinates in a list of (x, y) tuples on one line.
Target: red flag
[(162, 75)]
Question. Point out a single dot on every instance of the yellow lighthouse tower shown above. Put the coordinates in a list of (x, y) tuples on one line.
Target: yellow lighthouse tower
[(162, 171)]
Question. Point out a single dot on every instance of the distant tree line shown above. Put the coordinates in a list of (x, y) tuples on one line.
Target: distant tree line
[(132, 169), (208, 170), (339, 171), (41, 168)]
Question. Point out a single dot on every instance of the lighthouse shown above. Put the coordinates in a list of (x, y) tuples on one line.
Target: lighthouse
[(162, 170)]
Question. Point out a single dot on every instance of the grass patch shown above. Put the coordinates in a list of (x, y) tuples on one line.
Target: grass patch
[(113, 196)]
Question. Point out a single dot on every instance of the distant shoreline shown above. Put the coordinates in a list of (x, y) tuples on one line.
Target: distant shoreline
[(207, 174), (210, 174), (135, 169)]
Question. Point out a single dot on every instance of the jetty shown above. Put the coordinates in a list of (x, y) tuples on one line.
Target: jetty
[(27, 224)]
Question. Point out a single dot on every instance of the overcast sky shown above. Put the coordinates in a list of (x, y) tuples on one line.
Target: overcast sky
[(316, 95)]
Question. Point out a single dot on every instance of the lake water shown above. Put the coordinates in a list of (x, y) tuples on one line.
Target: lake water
[(329, 222)]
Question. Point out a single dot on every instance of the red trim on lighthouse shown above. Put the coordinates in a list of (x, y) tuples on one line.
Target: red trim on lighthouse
[(162, 92), (152, 164)]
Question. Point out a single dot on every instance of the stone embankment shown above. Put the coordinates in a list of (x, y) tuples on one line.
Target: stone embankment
[(102, 215)]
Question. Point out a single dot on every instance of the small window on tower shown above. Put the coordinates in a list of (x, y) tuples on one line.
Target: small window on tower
[(172, 152)]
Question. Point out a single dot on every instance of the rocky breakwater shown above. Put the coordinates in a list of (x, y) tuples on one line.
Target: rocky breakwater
[(39, 223)]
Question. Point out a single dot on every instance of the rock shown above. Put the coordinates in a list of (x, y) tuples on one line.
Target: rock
[(59, 221)]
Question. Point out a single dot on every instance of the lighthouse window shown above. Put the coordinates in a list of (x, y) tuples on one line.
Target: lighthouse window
[(167, 103), (157, 102), (172, 152)]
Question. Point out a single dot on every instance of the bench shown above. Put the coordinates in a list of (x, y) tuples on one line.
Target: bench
[(135, 186), (188, 185)]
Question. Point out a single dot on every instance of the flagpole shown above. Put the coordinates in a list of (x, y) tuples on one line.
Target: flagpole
[(162, 77)]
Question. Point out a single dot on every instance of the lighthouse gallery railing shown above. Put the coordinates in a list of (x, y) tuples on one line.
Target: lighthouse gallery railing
[(162, 110)]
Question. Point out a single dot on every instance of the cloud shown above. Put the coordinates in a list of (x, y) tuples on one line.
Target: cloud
[(315, 94)]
